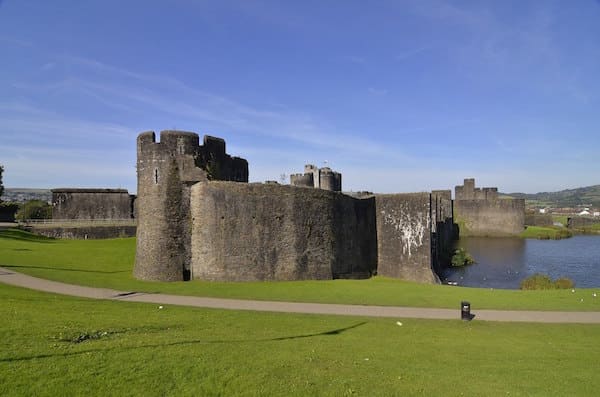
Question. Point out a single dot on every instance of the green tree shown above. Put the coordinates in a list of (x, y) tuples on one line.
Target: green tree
[(34, 209)]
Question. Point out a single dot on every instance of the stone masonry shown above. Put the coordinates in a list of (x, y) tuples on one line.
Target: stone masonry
[(319, 178), (91, 204), (198, 218), (479, 212), (166, 171)]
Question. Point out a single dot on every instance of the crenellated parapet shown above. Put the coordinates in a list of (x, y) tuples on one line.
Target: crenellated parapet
[(480, 212), (319, 178), (468, 191), (166, 171), (220, 166), (196, 222), (302, 180)]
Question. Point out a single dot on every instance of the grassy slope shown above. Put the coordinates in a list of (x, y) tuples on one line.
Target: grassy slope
[(108, 263), (188, 351), (546, 233), (589, 195)]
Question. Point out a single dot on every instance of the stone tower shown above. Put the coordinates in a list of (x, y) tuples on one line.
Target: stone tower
[(319, 178), (330, 180), (166, 172)]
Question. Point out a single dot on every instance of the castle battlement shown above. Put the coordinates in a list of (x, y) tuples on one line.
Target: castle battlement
[(468, 191), (195, 221), (482, 213), (166, 171), (319, 178)]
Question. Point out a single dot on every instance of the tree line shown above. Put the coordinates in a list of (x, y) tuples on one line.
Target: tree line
[(32, 209)]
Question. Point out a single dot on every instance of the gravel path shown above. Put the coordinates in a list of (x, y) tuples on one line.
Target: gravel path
[(22, 280)]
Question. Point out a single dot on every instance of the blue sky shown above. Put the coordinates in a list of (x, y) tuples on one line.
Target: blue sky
[(399, 96)]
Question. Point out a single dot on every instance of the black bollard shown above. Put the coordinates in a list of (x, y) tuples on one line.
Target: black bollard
[(465, 311)]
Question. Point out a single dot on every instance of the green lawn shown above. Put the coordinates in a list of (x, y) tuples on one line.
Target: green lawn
[(109, 263), (561, 219), (546, 233), (140, 350)]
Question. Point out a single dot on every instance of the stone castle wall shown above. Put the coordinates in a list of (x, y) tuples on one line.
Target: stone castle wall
[(302, 180), (91, 204), (192, 225), (502, 217), (83, 232), (444, 231), (582, 223), (479, 212), (166, 171), (544, 220), (248, 232), (404, 236)]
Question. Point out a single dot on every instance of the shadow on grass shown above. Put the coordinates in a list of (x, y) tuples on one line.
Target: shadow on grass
[(65, 269), (333, 332)]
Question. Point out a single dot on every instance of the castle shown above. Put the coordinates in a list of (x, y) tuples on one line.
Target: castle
[(199, 218), (480, 212), (92, 204), (319, 178)]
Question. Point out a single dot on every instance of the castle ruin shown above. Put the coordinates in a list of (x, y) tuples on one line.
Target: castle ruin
[(198, 218), (319, 178), (480, 212), (92, 204)]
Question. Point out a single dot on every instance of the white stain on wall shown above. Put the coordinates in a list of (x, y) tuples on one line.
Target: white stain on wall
[(411, 228)]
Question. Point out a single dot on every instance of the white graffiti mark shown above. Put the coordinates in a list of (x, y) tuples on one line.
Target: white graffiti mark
[(412, 228)]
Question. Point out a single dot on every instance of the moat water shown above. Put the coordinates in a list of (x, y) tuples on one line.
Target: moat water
[(504, 262)]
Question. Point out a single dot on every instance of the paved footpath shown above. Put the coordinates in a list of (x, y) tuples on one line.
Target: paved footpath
[(10, 277)]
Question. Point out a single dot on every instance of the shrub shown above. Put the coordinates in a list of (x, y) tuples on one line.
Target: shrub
[(543, 281), (35, 209), (564, 283), (538, 281), (461, 258)]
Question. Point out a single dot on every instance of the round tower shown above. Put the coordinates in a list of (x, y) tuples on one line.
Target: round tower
[(327, 179), (163, 218)]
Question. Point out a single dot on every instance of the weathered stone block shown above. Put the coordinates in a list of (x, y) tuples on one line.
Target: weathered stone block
[(91, 204), (490, 218), (404, 236), (246, 232)]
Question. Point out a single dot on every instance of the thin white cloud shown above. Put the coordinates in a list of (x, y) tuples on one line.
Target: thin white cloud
[(377, 91), (357, 60), (171, 96), (48, 66), (135, 92), (406, 54), (26, 119)]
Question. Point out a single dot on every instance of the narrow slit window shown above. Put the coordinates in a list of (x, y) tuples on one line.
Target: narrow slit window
[(156, 176)]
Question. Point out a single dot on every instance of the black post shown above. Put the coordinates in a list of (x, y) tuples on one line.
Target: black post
[(465, 311)]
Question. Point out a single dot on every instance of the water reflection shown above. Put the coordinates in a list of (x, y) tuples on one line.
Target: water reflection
[(504, 262)]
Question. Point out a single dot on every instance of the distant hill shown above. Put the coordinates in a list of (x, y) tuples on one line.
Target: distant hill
[(21, 195), (583, 196)]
